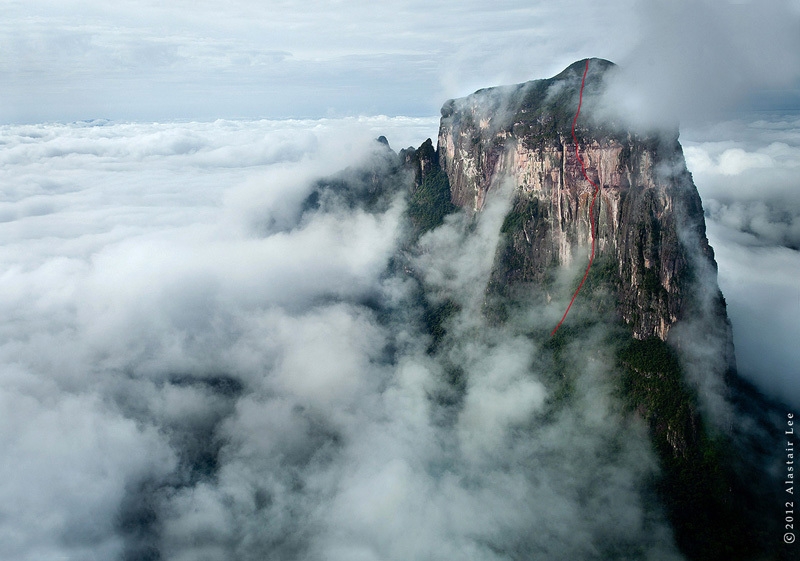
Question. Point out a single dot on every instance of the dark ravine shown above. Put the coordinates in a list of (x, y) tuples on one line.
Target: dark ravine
[(655, 262)]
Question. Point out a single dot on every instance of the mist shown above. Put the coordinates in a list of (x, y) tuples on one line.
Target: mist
[(746, 173), (697, 63), (198, 364)]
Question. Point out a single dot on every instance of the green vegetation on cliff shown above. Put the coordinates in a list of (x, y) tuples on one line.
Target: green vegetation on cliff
[(434, 319), (698, 485), (524, 210), (430, 202)]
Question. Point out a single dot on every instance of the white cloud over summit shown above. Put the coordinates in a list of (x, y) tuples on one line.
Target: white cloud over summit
[(699, 62)]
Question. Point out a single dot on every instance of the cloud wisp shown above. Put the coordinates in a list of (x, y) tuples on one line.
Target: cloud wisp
[(699, 62)]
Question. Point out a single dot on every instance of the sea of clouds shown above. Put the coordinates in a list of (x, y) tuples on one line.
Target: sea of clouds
[(133, 257), (748, 174), (192, 368)]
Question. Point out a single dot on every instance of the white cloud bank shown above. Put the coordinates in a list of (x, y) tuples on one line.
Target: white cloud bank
[(751, 195), (188, 369), (128, 256)]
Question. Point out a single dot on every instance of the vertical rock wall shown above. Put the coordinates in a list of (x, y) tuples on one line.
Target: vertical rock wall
[(647, 196)]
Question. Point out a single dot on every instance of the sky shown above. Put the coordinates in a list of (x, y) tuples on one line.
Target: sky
[(243, 59), (162, 296), (146, 61)]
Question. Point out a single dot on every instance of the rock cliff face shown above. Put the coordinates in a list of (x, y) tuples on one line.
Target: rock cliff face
[(677, 372), (523, 134)]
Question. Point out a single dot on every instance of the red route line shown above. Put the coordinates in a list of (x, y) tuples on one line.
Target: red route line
[(591, 206)]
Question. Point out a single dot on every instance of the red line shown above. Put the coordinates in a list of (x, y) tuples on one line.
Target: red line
[(591, 206)]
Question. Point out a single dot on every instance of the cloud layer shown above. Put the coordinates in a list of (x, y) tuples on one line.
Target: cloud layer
[(751, 195), (138, 60), (193, 367), (131, 281)]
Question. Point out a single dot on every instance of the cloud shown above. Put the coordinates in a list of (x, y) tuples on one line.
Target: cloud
[(121, 308), (697, 62), (142, 61), (746, 172), (759, 284), (732, 161), (769, 225), (181, 380), (138, 60), (753, 191), (71, 461)]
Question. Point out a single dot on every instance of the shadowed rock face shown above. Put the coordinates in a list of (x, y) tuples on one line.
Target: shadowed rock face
[(523, 134)]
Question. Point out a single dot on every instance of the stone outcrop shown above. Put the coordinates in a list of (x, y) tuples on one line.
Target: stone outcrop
[(523, 134), (678, 370)]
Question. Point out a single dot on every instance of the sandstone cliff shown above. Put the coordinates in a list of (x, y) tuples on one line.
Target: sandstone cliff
[(523, 134), (677, 371)]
